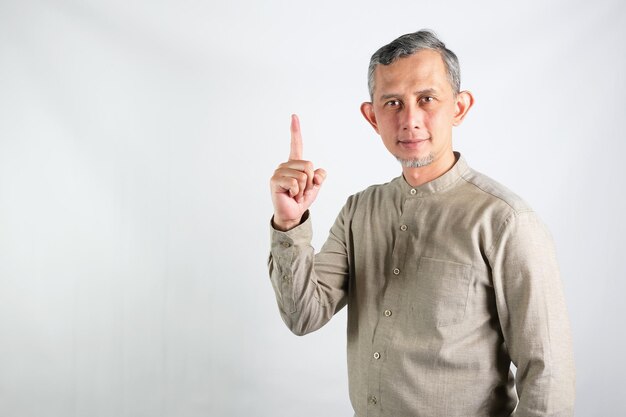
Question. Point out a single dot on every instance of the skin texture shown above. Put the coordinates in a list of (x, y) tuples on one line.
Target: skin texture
[(413, 110)]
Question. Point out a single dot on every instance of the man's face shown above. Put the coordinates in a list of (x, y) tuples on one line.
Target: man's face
[(414, 108)]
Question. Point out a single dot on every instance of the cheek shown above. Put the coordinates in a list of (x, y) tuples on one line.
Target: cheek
[(387, 124), (438, 120)]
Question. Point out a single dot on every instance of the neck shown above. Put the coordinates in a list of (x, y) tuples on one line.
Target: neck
[(419, 176)]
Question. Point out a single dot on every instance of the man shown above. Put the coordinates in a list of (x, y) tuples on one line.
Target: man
[(448, 276)]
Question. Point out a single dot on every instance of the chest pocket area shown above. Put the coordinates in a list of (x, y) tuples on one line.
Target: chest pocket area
[(442, 289)]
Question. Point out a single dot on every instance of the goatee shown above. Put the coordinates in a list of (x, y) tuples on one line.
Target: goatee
[(417, 162)]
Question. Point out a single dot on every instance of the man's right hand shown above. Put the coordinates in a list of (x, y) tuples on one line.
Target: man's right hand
[(294, 185)]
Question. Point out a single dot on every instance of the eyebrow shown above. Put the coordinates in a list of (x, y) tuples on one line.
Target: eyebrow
[(417, 93)]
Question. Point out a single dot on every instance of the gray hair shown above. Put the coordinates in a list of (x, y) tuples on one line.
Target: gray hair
[(409, 44)]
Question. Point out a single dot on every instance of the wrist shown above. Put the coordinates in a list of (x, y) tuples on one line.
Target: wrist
[(286, 225)]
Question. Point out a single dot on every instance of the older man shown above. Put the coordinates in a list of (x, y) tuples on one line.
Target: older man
[(448, 276)]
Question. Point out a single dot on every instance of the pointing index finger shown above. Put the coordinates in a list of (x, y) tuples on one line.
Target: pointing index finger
[(296, 139)]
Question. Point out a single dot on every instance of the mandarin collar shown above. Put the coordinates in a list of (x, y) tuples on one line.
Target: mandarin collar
[(437, 185)]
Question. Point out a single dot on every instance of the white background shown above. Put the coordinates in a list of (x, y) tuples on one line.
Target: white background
[(137, 139)]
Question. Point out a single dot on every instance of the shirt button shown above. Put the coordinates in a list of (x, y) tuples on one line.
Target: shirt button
[(286, 244), (286, 278), (413, 191), (403, 227), (396, 271), (373, 400), (376, 355), (387, 313)]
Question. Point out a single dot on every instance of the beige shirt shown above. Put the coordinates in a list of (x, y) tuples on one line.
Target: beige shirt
[(446, 284)]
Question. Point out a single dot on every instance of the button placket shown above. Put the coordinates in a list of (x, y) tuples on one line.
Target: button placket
[(391, 298)]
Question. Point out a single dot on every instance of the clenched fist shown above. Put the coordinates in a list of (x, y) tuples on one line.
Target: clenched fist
[(295, 184)]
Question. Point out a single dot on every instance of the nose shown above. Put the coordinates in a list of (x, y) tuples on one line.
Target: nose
[(412, 117)]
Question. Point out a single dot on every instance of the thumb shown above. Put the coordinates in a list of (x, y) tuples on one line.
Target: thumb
[(319, 175), (311, 194)]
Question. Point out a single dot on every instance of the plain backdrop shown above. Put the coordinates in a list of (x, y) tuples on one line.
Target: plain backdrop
[(137, 139)]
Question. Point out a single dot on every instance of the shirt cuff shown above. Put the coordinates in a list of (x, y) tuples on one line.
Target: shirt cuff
[(299, 235)]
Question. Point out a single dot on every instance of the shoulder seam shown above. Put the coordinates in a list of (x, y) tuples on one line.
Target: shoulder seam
[(517, 211), (514, 214)]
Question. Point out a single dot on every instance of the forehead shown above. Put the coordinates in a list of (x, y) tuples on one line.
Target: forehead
[(423, 69)]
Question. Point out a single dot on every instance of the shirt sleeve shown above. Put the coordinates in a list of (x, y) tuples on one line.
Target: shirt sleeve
[(309, 288), (533, 317)]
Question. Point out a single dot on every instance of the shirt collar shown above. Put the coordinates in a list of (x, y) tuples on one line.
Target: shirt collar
[(439, 184)]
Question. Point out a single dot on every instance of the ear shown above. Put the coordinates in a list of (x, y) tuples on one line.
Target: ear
[(367, 110), (464, 101)]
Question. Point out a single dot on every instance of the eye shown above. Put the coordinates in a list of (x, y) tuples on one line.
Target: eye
[(427, 99), (393, 103)]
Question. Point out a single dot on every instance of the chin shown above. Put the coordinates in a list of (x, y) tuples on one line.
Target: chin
[(416, 162)]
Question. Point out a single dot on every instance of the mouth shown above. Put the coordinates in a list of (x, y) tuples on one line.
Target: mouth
[(412, 143)]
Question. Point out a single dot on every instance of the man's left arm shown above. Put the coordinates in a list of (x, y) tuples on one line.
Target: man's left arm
[(533, 317)]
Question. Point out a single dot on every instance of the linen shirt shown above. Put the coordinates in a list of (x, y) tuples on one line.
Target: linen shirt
[(446, 285)]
